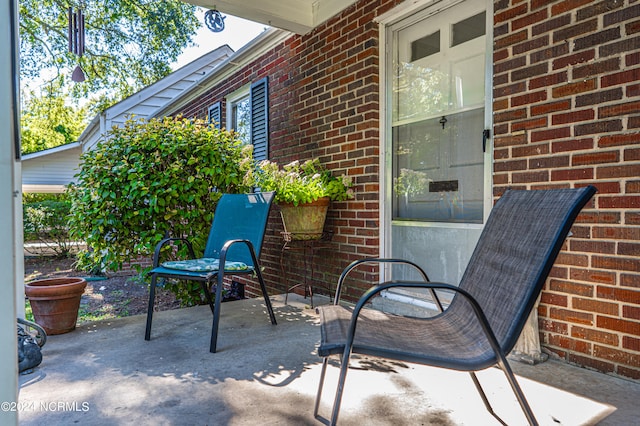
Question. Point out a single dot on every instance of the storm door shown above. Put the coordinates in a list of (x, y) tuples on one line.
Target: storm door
[(438, 154)]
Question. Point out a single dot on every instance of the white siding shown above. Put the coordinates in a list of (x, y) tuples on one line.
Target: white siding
[(47, 173)]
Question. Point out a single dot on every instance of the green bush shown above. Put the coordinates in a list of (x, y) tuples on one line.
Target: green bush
[(47, 222), (149, 179)]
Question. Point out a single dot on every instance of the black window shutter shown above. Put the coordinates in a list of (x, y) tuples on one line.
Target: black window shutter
[(215, 114), (260, 119)]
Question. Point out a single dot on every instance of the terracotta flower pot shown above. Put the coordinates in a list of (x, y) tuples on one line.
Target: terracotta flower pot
[(305, 221), (55, 302)]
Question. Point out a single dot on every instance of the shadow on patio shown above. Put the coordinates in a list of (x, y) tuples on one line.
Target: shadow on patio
[(105, 373)]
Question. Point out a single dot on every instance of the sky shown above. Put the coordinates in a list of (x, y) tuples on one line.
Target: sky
[(237, 32)]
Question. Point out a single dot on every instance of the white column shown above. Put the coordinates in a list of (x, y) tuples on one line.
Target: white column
[(10, 224)]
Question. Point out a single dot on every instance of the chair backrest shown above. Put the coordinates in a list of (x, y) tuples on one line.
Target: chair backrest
[(517, 248), (239, 216)]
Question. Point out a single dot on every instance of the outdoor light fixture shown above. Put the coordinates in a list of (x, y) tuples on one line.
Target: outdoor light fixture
[(76, 40), (214, 20)]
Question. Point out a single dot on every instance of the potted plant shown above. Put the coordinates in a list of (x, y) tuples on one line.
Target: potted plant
[(303, 192), (55, 302)]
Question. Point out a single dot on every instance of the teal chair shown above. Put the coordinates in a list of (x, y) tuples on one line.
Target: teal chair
[(233, 247)]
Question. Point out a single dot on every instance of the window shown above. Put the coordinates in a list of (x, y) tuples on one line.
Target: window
[(248, 115)]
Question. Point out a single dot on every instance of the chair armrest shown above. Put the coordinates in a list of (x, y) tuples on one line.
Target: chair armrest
[(356, 263), (156, 253), (373, 291), (223, 259)]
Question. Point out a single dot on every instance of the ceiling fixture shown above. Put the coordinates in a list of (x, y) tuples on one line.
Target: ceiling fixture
[(214, 20)]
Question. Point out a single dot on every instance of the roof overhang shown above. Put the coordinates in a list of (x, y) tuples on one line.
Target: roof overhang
[(298, 16)]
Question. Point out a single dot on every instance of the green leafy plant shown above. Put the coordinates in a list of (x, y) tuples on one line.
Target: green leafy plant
[(299, 183), (149, 179), (46, 223)]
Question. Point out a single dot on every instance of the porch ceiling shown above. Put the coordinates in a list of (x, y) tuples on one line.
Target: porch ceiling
[(298, 16)]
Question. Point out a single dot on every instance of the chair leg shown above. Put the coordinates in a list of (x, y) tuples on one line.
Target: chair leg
[(320, 386), (526, 409), (267, 301), (207, 294), (483, 395), (152, 299), (344, 367), (216, 313)]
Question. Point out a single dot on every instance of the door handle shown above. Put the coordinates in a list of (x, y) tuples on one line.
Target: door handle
[(486, 134)]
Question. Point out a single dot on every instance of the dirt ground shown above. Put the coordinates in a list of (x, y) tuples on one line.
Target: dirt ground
[(110, 297)]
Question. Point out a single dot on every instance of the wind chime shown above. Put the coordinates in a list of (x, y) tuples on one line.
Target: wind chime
[(76, 40)]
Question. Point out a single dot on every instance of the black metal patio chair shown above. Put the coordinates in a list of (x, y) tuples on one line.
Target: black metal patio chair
[(509, 266), (233, 247)]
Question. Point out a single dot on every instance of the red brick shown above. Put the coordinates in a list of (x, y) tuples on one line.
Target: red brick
[(571, 287), (620, 109), (623, 202), (616, 356), (529, 177), (597, 336), (530, 19), (619, 140), (627, 327), (510, 14), (530, 150), (605, 367), (618, 294), (598, 127), (595, 306), (595, 158), (570, 344), (632, 312), (593, 276), (629, 343), (549, 162), (554, 326), (571, 316), (554, 299), (540, 109), (529, 98), (574, 88), (544, 135), (572, 174), (628, 372), (572, 145), (576, 58), (591, 246), (616, 263), (620, 78), (567, 5)]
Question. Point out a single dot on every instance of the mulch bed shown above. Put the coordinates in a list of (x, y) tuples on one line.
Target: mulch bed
[(113, 296)]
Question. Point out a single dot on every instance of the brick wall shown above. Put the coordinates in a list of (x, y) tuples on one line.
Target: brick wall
[(567, 113)]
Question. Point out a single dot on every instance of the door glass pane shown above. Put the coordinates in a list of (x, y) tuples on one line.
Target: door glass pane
[(468, 29), (426, 46), (438, 169)]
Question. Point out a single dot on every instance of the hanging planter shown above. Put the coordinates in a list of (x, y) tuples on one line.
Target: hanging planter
[(303, 193), (55, 302), (305, 221)]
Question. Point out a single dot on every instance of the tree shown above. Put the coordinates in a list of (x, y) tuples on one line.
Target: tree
[(49, 120), (129, 43), (150, 178)]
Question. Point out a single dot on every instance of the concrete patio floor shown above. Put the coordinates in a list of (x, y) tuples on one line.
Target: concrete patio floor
[(105, 373)]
